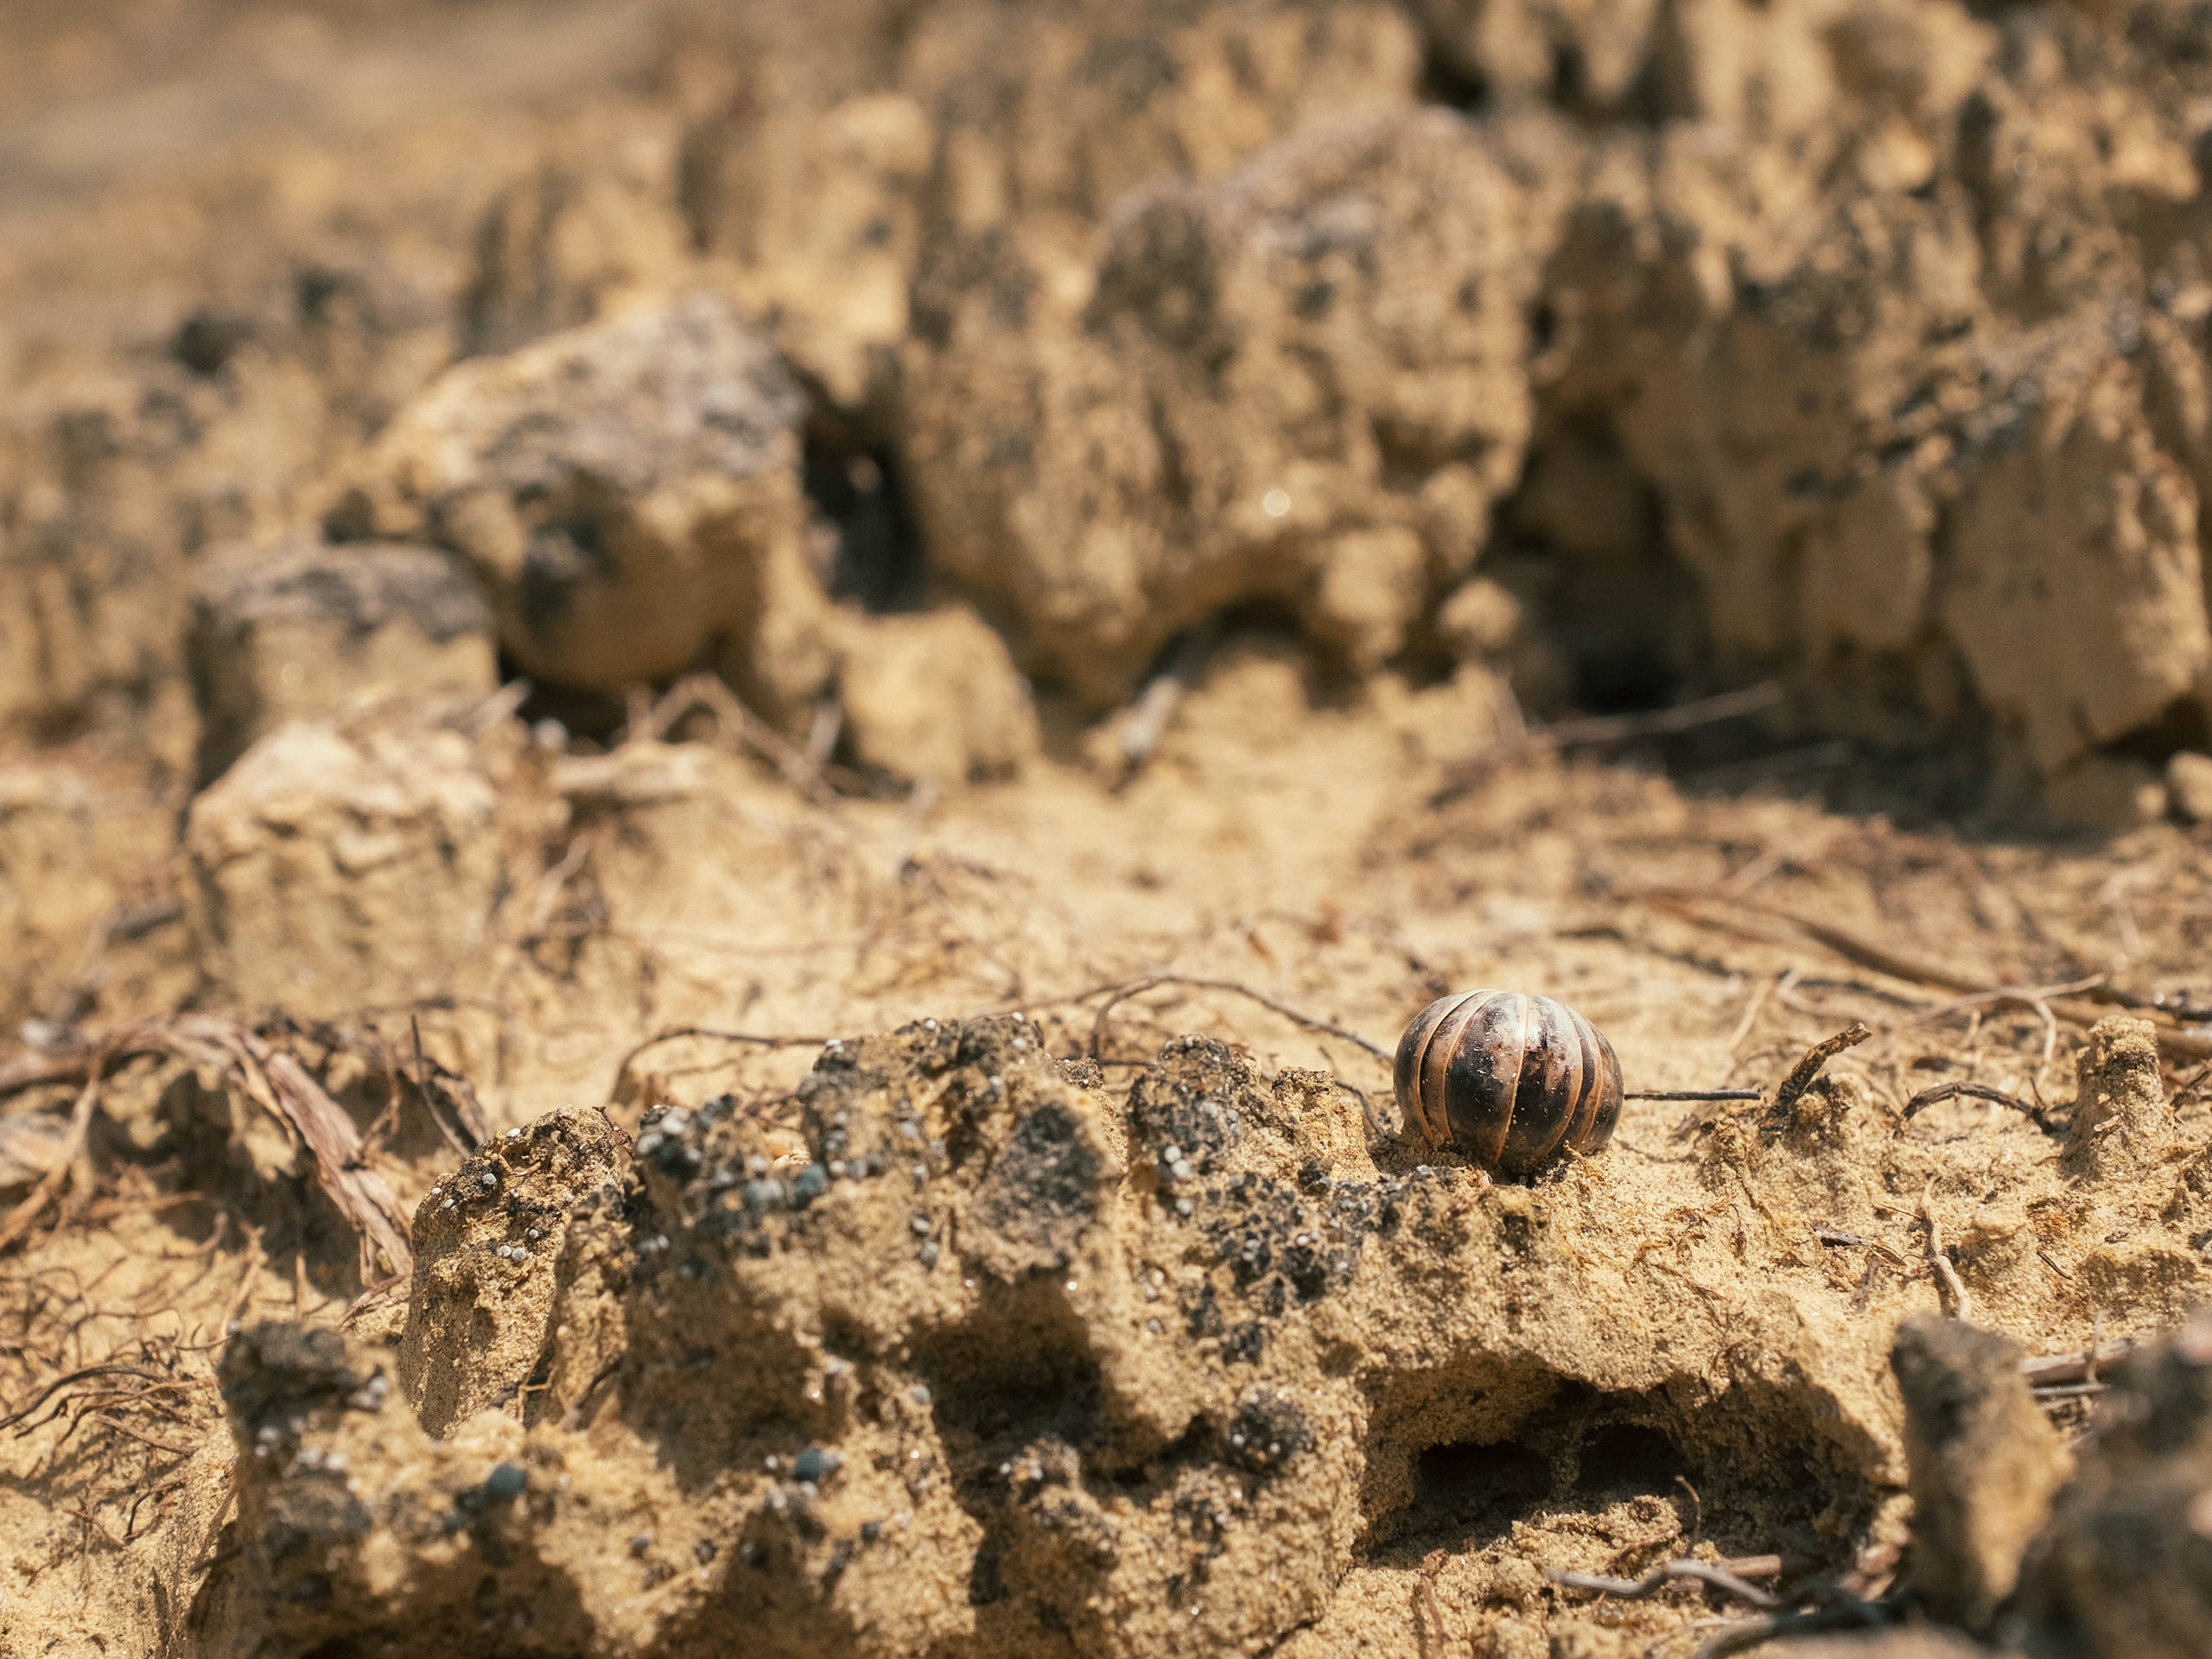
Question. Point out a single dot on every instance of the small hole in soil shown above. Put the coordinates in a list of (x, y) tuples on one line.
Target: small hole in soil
[(879, 564), (1628, 1460), (1624, 680), (1477, 1490)]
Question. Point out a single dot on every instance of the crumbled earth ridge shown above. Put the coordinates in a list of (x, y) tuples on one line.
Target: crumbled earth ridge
[(999, 1363)]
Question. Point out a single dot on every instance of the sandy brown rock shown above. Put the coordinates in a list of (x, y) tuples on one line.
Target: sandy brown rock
[(336, 865), (2109, 628), (1985, 1463), (1305, 384), (934, 695), (2124, 1562), (594, 229), (2121, 1121), (484, 1240), (48, 910), (2188, 786), (628, 494), (819, 211), (2107, 793), (300, 632)]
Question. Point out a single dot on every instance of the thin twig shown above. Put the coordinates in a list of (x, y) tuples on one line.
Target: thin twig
[(80, 1119), (2046, 1370), (1432, 1564), (1901, 962), (1801, 1075), (1961, 1304), (1943, 1091), (1156, 705), (1750, 1632), (754, 1039), (1610, 728), (1752, 1012), (1116, 994), (1636, 1589)]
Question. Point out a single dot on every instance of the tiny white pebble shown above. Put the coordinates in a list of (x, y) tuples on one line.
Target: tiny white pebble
[(514, 1134)]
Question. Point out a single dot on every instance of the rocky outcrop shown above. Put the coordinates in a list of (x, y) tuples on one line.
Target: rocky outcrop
[(628, 495)]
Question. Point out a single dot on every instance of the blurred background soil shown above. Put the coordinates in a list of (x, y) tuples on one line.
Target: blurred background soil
[(565, 569)]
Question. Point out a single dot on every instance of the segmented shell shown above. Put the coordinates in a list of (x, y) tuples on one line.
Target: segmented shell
[(1511, 1080)]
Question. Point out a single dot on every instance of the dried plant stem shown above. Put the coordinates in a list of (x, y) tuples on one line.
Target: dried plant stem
[(1802, 1074), (19, 1219), (1961, 1304), (1118, 994), (1711, 1573)]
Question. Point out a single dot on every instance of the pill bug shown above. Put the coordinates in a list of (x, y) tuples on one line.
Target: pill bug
[(1509, 1079)]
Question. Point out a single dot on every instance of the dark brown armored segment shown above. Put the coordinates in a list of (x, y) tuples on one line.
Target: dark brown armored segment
[(1510, 1080)]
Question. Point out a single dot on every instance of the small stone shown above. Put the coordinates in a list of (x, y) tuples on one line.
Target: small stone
[(2189, 786), (641, 1543), (919, 1394), (505, 1482), (487, 1181)]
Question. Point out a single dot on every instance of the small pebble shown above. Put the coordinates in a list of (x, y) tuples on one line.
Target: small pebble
[(487, 1181), (641, 1543)]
